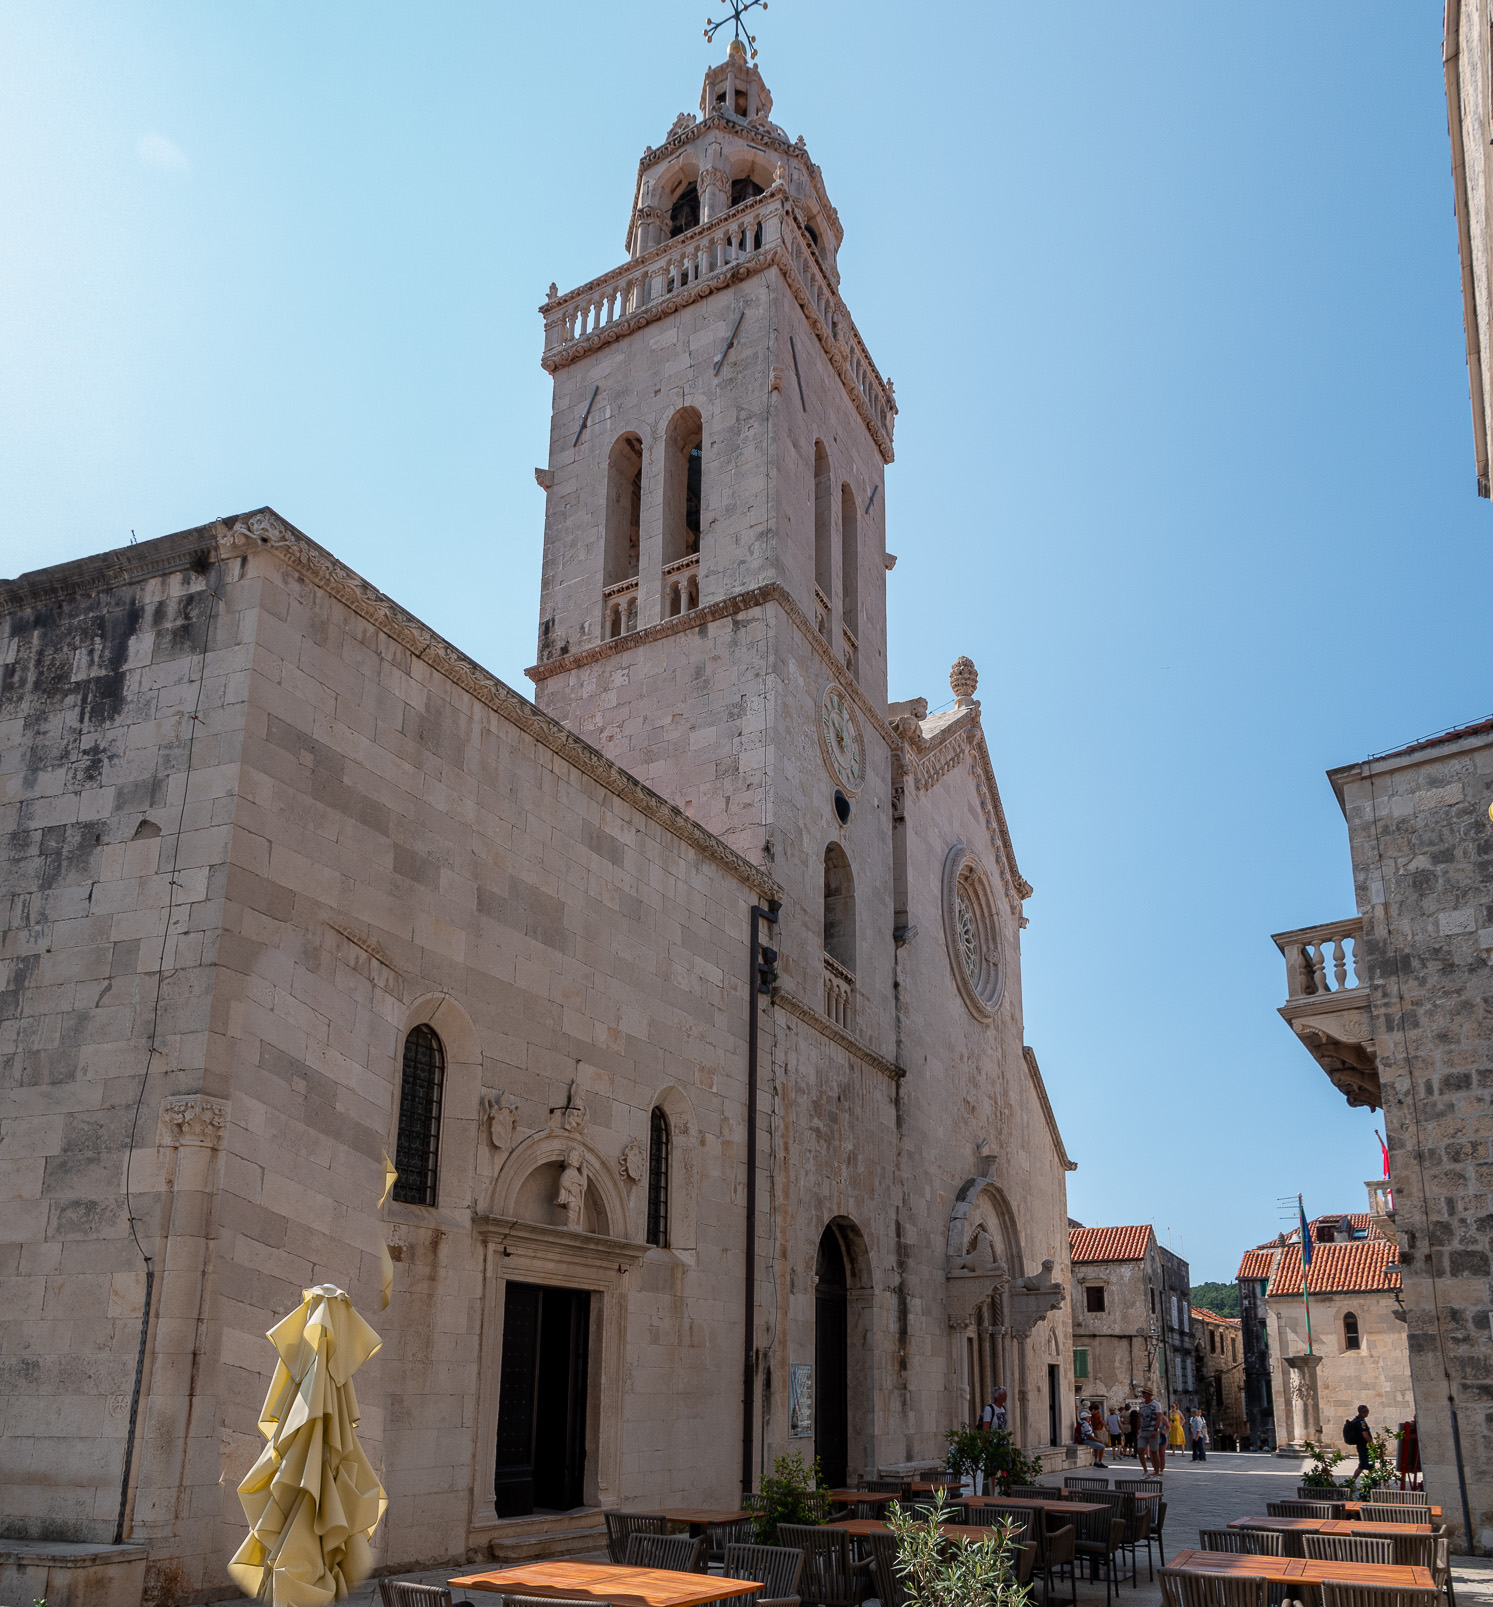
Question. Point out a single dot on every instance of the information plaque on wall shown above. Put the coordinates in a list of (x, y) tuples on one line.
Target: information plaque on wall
[(800, 1401)]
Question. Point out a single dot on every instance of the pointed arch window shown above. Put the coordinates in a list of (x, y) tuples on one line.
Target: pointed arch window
[(1352, 1340), (418, 1143), (659, 1140)]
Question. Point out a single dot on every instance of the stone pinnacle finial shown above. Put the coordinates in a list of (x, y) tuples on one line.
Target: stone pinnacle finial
[(963, 679)]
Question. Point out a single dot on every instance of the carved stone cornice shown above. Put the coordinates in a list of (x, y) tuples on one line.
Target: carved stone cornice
[(192, 1119), (1040, 1089), (724, 608), (927, 759), (776, 254), (821, 1023)]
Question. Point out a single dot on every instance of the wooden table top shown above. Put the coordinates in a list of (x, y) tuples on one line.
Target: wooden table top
[(1286, 1570), (1351, 1508), (607, 1582), (960, 1531), (1331, 1526), (845, 1497), (696, 1515), (1056, 1505)]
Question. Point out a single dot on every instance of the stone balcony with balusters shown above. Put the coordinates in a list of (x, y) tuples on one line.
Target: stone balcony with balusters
[(1328, 1007), (748, 239)]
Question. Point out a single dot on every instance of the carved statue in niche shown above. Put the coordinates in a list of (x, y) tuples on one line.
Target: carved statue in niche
[(572, 1195)]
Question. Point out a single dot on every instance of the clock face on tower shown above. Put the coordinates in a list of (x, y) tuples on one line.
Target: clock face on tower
[(840, 738)]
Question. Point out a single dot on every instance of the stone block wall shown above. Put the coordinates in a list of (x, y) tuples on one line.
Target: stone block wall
[(1376, 1375), (1422, 849)]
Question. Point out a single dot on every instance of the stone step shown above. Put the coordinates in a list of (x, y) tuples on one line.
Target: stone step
[(547, 1535)]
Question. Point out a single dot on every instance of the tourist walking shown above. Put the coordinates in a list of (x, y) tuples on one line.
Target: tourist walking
[(1151, 1432), (1197, 1427), (1356, 1431), (1175, 1439), (1112, 1428)]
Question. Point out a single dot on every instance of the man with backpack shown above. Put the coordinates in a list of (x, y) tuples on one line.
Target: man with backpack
[(1356, 1431)]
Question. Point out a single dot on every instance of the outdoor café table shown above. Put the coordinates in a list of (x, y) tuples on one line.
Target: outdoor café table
[(1331, 1526), (1350, 1510), (1298, 1571), (606, 1582), (849, 1498), (699, 1519), (1058, 1506), (861, 1527)]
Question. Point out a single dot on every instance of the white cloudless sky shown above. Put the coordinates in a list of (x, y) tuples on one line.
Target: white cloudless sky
[(1184, 463)]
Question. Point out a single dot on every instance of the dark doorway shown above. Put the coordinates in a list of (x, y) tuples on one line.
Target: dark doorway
[(831, 1403), (541, 1454), (1054, 1423)]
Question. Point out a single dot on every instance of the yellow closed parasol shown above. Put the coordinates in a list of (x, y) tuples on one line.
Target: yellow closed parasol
[(312, 1499)]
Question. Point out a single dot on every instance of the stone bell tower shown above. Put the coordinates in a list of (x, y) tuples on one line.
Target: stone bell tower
[(713, 604)]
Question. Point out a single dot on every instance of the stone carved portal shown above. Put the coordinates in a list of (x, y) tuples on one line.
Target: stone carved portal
[(992, 1308), (555, 1179)]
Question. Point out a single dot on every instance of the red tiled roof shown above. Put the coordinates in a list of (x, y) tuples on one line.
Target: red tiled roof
[(1457, 732), (1364, 1265), (1108, 1244), (1256, 1263), (1214, 1316)]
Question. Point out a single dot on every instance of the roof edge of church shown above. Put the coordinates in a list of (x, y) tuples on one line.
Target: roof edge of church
[(264, 528)]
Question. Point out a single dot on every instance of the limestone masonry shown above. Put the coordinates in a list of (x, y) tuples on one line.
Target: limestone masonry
[(291, 883)]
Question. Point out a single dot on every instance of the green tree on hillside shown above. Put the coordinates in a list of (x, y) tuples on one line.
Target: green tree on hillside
[(1220, 1297)]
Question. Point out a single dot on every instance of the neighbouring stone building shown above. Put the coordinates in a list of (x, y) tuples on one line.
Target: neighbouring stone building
[(1254, 1333), (1396, 1006), (1125, 1334), (1219, 1369), (1358, 1353), (1469, 104), (291, 883)]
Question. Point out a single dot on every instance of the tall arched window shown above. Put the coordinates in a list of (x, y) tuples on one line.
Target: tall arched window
[(658, 1179), (839, 907), (683, 486), (824, 559), (417, 1147), (1351, 1339), (624, 509), (849, 562)]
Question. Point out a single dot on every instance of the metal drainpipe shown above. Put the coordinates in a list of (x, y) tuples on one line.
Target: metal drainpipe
[(755, 987)]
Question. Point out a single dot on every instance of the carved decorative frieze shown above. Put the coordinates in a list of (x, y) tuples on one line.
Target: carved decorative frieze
[(192, 1119)]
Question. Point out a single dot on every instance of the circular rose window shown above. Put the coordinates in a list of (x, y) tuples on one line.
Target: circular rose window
[(972, 932)]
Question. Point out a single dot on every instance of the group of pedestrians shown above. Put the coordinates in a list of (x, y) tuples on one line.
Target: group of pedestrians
[(1147, 1433)]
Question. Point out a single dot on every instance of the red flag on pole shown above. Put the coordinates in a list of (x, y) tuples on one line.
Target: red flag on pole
[(1383, 1151)]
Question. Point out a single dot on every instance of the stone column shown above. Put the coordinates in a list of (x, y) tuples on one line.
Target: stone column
[(1306, 1411), (714, 185)]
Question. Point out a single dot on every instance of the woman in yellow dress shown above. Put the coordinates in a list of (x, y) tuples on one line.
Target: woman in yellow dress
[(1175, 1439)]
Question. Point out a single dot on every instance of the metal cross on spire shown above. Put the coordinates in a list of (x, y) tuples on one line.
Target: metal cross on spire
[(739, 9)]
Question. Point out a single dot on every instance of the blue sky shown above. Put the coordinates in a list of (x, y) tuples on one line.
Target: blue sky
[(1171, 298)]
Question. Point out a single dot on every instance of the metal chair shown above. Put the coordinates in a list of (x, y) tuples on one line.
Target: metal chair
[(743, 1532), (1416, 1551), (1152, 1486), (621, 1525), (1337, 1594), (1244, 1542), (1085, 1481), (889, 1588), (1323, 1492), (1059, 1549), (1179, 1588), (1026, 1561), (778, 1567), (679, 1553), (1158, 1526), (885, 1486), (832, 1577), (1401, 1498), (1101, 1538), (402, 1593), (1346, 1548), (1391, 1512), (1036, 1492)]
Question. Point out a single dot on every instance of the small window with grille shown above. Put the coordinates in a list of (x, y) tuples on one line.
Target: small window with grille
[(658, 1179), (417, 1147)]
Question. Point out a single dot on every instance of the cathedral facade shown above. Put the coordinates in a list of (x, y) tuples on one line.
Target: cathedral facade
[(687, 998)]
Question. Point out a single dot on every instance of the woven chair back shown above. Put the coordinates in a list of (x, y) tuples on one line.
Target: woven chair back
[(1182, 1589), (778, 1567), (400, 1593), (1085, 1481), (621, 1525), (1334, 1594), (1390, 1512), (1244, 1542), (1302, 1509), (889, 1589), (1401, 1498), (827, 1577), (1346, 1548), (678, 1553)]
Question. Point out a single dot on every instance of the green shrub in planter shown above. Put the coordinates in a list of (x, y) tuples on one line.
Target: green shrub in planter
[(939, 1572), (791, 1495)]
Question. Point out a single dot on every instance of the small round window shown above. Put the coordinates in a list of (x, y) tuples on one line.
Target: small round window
[(972, 932)]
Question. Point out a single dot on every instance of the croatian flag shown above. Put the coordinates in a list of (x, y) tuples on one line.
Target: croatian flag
[(1306, 1235)]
